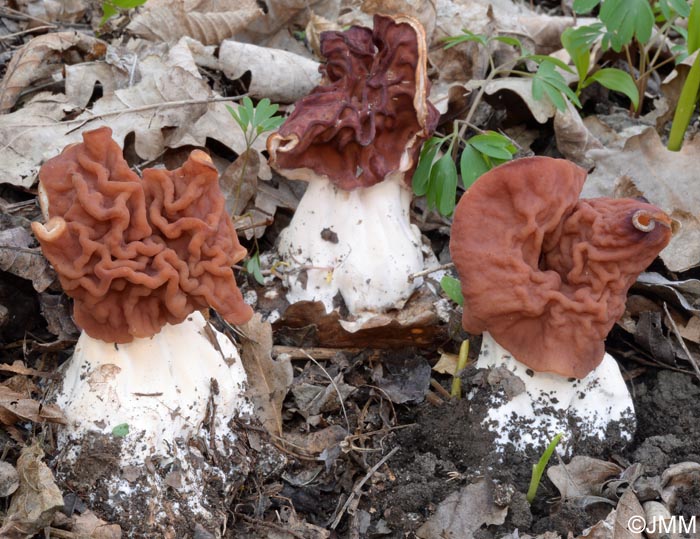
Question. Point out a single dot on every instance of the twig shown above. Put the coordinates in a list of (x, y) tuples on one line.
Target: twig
[(428, 271), (337, 390), (677, 333), (272, 525), (27, 31), (295, 352), (143, 108), (356, 491)]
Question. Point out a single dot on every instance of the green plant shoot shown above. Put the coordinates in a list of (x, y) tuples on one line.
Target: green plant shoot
[(255, 120), (110, 8), (462, 360), (252, 266), (538, 469)]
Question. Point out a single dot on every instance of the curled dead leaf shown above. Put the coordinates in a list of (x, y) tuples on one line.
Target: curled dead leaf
[(41, 57), (36, 500), (207, 21), (268, 379)]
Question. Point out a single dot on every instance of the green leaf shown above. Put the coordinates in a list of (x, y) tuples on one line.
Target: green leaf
[(270, 124), (120, 430), (443, 180), (508, 40), (694, 27), (253, 267), (685, 107), (616, 80), (471, 166), (452, 289), (578, 49), (246, 111), (549, 81), (625, 19), (128, 4), (466, 36), (421, 176), (584, 6), (236, 117), (543, 58), (108, 11), (538, 469), (493, 145)]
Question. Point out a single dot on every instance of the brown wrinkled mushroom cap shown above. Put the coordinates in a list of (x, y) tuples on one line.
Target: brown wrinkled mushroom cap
[(545, 273), (370, 116), (137, 254)]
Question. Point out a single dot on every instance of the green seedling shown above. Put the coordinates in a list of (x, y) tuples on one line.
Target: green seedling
[(452, 288), (252, 266), (110, 8), (436, 177), (255, 120), (538, 469), (637, 28)]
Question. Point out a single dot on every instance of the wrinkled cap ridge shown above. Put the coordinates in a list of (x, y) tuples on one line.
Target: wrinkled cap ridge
[(547, 274), (371, 115), (135, 253)]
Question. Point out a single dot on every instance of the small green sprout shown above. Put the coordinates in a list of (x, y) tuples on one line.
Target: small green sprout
[(538, 469), (110, 8), (452, 288), (252, 266), (255, 120)]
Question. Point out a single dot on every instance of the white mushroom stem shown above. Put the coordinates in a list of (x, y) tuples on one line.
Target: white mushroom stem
[(360, 243), (532, 413), (160, 387)]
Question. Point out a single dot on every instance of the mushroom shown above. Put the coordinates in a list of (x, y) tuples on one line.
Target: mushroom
[(141, 259), (546, 276), (355, 139)]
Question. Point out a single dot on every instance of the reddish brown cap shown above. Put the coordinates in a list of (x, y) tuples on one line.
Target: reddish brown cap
[(370, 116), (545, 273), (136, 254)]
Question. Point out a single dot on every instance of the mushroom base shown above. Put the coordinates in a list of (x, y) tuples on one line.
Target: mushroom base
[(150, 417), (529, 408), (358, 243)]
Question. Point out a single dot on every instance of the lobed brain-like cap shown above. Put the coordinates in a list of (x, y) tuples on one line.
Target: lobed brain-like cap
[(137, 254), (547, 274), (372, 114)]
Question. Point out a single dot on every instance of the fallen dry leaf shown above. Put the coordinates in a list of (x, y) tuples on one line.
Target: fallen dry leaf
[(447, 364), (36, 500), (9, 479), (281, 76), (57, 311), (207, 21), (628, 515), (582, 476), (463, 512), (15, 406), (239, 182), (573, 137), (40, 58), (54, 10), (667, 179), (169, 107), (318, 441), (17, 258), (680, 476), (89, 526), (268, 379)]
